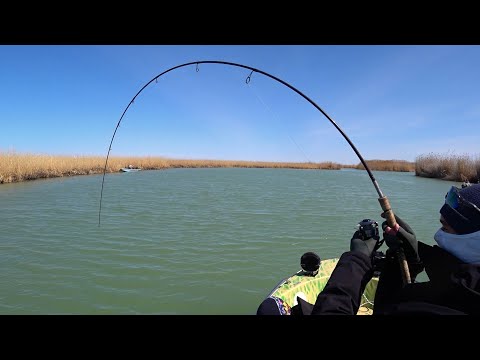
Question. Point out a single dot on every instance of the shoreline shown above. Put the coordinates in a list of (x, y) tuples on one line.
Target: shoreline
[(28, 167), (19, 168)]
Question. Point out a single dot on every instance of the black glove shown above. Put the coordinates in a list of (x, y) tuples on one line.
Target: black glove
[(402, 237), (366, 247)]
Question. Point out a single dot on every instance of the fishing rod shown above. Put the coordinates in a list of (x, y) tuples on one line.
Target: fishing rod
[(383, 200)]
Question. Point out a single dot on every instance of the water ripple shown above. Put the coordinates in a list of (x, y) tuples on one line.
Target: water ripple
[(185, 241)]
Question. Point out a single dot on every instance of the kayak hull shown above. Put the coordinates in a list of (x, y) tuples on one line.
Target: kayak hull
[(308, 287)]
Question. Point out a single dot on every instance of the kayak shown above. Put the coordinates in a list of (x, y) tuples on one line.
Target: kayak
[(129, 169), (302, 284)]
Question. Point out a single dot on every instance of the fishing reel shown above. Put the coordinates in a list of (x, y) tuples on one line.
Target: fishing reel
[(368, 229)]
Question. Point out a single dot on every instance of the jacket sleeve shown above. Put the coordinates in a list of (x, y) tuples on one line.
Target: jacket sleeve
[(343, 292), (391, 290), (453, 288)]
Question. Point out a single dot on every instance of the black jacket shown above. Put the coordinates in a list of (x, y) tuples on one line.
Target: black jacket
[(453, 287)]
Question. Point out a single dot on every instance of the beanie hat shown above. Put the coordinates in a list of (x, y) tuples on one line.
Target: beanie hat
[(464, 219)]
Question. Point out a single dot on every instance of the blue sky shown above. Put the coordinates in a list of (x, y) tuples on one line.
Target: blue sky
[(393, 102)]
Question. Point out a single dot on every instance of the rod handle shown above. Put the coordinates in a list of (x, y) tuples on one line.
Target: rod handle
[(390, 217), (404, 267), (387, 210)]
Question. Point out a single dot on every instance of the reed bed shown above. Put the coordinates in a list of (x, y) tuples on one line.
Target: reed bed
[(176, 163), (15, 167), (449, 167), (388, 165)]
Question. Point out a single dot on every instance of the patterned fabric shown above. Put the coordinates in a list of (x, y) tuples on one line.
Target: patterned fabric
[(283, 307), (285, 294)]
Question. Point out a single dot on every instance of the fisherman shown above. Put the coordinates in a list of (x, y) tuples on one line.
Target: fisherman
[(452, 266)]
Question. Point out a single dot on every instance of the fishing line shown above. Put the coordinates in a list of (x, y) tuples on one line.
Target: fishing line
[(276, 118), (384, 203), (252, 70)]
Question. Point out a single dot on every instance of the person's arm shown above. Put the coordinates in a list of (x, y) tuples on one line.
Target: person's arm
[(391, 290), (343, 292), (389, 285)]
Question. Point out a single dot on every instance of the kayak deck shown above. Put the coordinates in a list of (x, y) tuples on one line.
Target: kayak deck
[(308, 287)]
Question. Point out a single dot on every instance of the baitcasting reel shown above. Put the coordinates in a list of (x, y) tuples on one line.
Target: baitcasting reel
[(368, 229)]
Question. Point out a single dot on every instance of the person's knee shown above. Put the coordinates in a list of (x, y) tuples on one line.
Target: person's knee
[(273, 306)]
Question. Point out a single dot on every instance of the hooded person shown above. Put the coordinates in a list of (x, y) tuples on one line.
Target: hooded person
[(460, 215), (452, 266)]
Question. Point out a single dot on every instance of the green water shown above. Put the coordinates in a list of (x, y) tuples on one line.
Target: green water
[(186, 241)]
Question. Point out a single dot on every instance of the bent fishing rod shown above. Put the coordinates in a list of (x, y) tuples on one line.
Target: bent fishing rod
[(383, 200)]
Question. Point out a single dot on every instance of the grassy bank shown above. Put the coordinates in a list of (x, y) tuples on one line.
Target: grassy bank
[(445, 167), (16, 167), (448, 167), (22, 167), (388, 165)]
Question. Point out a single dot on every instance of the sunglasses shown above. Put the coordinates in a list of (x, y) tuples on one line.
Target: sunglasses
[(454, 200)]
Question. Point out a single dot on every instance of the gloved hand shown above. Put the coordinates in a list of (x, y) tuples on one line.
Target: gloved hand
[(366, 247), (402, 236)]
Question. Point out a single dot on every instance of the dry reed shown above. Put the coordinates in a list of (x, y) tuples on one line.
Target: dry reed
[(388, 165), (448, 167), (16, 167)]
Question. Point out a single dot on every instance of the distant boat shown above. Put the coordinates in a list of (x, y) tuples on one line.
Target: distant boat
[(129, 169)]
